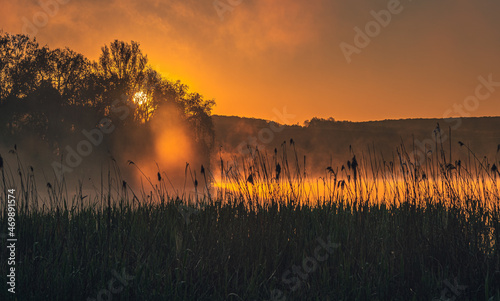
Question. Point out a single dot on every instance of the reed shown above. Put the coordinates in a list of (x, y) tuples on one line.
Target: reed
[(404, 227)]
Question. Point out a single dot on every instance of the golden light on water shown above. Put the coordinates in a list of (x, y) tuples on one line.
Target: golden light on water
[(372, 191)]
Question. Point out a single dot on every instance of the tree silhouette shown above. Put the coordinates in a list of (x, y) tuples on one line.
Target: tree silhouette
[(123, 66), (52, 95)]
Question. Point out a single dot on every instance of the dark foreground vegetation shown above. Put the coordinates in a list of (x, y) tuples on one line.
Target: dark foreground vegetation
[(231, 252), (262, 236)]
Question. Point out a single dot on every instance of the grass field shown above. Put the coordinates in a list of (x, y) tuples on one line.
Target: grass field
[(261, 228)]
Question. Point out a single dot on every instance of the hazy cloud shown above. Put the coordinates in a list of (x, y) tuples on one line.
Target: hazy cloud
[(267, 54)]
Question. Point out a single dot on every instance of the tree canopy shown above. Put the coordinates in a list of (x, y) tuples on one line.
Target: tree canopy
[(51, 94)]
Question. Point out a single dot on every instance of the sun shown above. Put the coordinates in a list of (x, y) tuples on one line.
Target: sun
[(145, 107), (140, 98)]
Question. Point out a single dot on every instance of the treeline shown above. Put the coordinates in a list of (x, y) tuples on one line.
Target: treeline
[(49, 96)]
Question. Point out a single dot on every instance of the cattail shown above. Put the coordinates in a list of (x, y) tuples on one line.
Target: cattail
[(202, 169), (1, 162), (159, 177), (250, 179), (354, 165)]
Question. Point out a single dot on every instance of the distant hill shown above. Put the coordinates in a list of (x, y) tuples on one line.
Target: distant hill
[(327, 142)]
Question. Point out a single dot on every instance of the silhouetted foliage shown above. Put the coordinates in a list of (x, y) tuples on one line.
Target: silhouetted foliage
[(319, 122), (52, 95)]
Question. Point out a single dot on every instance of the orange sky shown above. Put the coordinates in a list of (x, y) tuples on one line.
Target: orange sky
[(266, 55)]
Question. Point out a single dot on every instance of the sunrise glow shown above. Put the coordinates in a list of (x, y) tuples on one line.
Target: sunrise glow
[(250, 150), (257, 57), (140, 98)]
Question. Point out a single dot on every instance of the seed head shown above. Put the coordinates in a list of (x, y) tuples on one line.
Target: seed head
[(250, 179)]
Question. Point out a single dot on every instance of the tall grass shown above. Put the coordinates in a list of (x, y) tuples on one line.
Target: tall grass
[(403, 227)]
